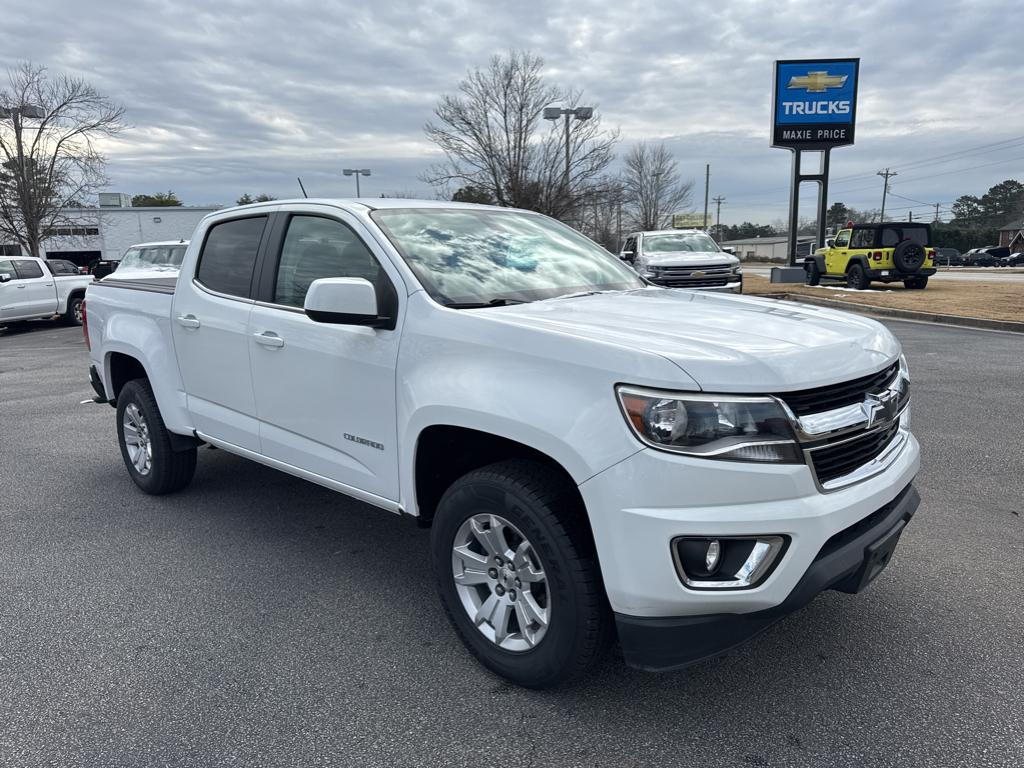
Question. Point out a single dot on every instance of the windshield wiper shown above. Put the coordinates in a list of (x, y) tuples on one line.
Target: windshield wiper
[(482, 304), (581, 293)]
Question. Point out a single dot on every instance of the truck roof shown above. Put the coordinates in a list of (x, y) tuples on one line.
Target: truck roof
[(366, 203)]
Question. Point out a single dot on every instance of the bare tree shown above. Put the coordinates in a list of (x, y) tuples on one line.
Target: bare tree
[(49, 127), (493, 139), (653, 188)]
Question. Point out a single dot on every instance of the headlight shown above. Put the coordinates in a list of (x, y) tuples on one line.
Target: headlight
[(728, 427)]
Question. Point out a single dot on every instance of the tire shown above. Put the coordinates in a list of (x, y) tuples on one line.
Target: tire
[(813, 274), (857, 278), (73, 314), (916, 283), (908, 256), (526, 508), (158, 469)]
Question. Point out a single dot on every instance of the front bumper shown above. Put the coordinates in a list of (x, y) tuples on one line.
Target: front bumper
[(847, 562), (638, 506), (733, 285)]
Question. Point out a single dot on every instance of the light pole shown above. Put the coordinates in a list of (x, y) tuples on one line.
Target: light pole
[(357, 172), (580, 113)]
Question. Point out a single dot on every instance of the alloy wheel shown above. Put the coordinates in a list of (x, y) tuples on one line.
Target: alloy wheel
[(501, 582), (137, 440)]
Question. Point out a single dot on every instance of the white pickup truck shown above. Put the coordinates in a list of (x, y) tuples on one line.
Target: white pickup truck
[(598, 456), (32, 288)]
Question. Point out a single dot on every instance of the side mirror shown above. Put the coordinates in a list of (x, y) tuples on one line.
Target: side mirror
[(628, 255), (345, 301), (830, 243), (6, 277)]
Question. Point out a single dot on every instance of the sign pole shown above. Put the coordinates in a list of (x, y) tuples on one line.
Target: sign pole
[(823, 197), (794, 207)]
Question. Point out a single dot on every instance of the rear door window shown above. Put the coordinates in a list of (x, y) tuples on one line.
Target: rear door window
[(229, 255), (863, 238), (7, 268), (27, 269), (892, 236)]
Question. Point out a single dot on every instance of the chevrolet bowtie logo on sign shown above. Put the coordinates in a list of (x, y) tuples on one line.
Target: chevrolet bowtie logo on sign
[(817, 82), (815, 103)]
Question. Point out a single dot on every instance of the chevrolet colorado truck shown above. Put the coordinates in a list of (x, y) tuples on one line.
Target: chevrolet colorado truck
[(597, 457), (32, 289), (683, 258)]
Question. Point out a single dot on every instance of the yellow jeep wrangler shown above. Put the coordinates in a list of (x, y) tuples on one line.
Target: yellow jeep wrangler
[(889, 252)]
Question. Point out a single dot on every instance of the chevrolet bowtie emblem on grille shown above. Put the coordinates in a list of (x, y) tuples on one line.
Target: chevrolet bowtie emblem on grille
[(817, 82), (880, 408), (698, 273)]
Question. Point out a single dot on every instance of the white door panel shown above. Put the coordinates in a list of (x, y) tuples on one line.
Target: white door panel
[(211, 343), (326, 397)]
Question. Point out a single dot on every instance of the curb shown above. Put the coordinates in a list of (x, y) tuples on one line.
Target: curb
[(903, 314)]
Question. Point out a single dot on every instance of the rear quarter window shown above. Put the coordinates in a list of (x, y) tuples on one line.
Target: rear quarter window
[(228, 257)]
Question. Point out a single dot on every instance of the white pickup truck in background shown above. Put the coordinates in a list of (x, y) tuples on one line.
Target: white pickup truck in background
[(597, 456), (32, 288)]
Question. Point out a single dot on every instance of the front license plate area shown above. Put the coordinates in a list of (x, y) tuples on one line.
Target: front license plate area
[(878, 555)]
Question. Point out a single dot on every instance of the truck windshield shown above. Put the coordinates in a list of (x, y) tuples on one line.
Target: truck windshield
[(696, 242), (472, 257), (157, 257)]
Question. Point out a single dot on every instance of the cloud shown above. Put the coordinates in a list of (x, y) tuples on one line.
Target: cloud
[(233, 97)]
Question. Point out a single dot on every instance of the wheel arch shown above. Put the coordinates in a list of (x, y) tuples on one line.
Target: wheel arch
[(446, 452)]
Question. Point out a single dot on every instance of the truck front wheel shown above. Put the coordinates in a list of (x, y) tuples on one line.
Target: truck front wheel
[(146, 445), (813, 276), (518, 580)]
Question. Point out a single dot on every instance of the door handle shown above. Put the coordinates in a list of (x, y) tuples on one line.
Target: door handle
[(269, 339), (48, 285), (189, 321), (20, 287)]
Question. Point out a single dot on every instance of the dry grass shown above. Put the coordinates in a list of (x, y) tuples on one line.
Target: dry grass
[(990, 300)]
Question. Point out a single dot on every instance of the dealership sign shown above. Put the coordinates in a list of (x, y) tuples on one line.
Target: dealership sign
[(814, 103)]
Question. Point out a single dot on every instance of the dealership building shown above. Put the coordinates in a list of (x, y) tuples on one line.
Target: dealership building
[(105, 232)]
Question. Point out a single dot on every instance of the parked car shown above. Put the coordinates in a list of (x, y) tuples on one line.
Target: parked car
[(595, 455), (948, 257), (1017, 259), (100, 268), (889, 252), (32, 288), (980, 257), (683, 258)]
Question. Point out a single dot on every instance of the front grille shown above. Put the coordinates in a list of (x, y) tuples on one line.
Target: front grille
[(683, 277), (832, 461), (834, 396)]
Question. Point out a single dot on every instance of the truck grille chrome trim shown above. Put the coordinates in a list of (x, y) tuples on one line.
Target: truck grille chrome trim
[(852, 430)]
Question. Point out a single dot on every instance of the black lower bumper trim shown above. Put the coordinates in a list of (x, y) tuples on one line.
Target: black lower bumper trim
[(97, 386), (847, 562)]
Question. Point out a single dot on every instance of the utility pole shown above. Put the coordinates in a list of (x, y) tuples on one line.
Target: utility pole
[(718, 215), (707, 184), (911, 215), (886, 174), (936, 213)]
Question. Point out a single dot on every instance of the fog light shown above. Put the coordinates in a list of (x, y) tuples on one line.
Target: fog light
[(726, 563), (712, 556)]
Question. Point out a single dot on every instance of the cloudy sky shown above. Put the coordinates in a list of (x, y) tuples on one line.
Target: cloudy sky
[(230, 97)]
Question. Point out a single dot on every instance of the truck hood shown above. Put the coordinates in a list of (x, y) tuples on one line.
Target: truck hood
[(691, 259), (726, 343)]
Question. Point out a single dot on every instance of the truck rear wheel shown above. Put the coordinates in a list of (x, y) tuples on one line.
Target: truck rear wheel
[(916, 282), (145, 443), (518, 580), (73, 314), (857, 278)]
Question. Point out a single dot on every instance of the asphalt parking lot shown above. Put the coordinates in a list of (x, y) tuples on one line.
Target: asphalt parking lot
[(257, 620)]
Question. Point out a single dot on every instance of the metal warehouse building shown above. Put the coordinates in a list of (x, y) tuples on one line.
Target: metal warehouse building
[(769, 248), (87, 234)]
